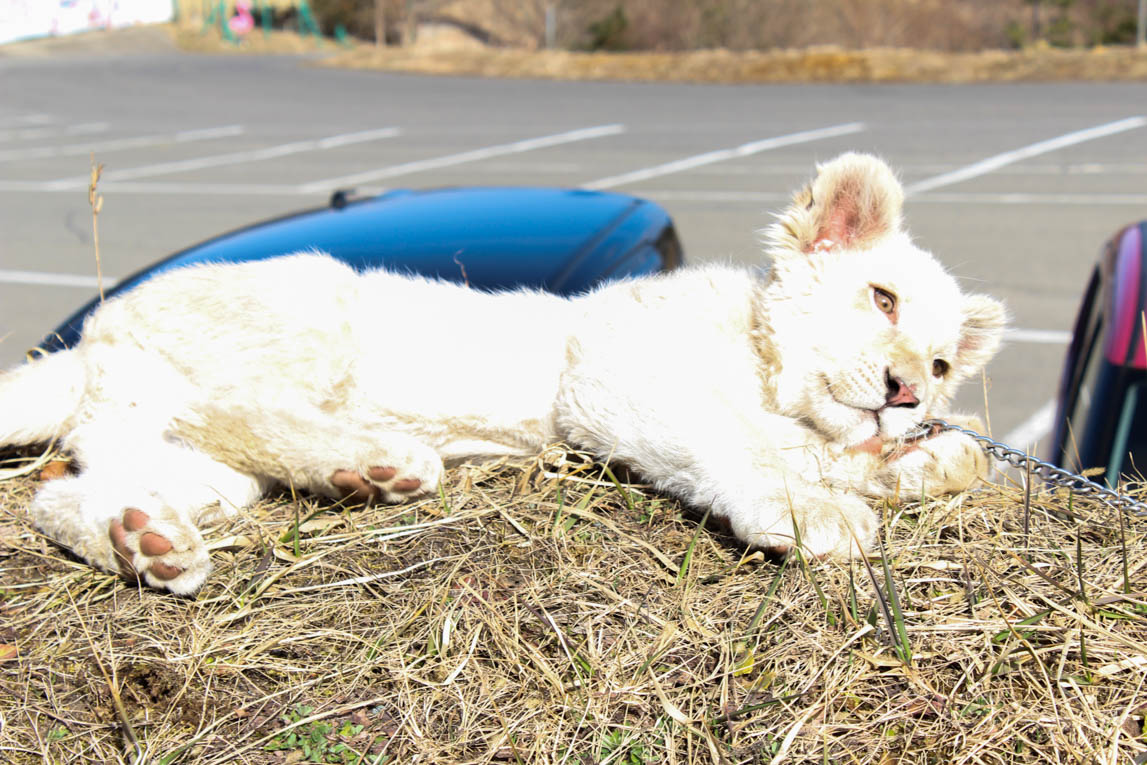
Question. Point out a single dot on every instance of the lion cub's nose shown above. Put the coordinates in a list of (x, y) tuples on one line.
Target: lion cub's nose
[(899, 394)]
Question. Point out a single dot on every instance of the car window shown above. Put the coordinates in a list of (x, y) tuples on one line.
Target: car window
[(1089, 362), (1129, 446)]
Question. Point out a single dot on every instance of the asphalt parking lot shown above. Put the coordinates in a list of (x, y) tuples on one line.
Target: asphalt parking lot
[(1014, 187)]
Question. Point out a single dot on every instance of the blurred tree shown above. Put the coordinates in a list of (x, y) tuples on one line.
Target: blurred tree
[(743, 24), (545, 23), (608, 33), (379, 23)]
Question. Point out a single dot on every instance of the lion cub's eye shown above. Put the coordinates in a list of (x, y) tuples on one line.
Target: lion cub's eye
[(885, 301), (939, 368)]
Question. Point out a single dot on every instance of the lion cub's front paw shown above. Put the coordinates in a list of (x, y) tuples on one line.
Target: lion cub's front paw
[(165, 553), (834, 526), (838, 527), (942, 464)]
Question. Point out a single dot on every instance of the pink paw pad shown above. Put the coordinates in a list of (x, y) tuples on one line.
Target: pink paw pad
[(150, 544), (355, 487)]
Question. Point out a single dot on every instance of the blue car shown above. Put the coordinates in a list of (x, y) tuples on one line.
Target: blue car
[(564, 241)]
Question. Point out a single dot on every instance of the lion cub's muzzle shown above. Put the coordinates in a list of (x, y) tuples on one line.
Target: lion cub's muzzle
[(899, 394)]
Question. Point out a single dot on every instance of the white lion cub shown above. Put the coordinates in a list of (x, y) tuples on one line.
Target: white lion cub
[(777, 401)]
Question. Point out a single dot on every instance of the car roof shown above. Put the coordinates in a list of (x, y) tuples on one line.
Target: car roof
[(560, 240)]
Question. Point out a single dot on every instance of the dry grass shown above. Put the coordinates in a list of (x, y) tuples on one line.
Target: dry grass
[(193, 39), (810, 64), (816, 64), (537, 615), (825, 63)]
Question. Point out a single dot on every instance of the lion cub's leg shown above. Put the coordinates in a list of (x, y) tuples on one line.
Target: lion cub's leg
[(335, 454)]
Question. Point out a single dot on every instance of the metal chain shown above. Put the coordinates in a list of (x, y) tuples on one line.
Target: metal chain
[(1046, 471)]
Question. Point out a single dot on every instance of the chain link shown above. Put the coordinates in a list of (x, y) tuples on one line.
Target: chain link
[(1049, 473)]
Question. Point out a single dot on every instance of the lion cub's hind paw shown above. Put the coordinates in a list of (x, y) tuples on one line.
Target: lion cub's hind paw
[(167, 554), (385, 484)]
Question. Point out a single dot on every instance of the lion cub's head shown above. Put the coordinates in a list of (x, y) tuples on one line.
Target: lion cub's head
[(870, 333)]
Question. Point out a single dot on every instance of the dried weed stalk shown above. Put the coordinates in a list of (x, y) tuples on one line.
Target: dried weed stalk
[(96, 202)]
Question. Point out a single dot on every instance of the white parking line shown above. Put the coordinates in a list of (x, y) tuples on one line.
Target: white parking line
[(30, 134), (708, 158), (40, 278), (174, 187), (746, 197), (1010, 198), (119, 144), (1034, 429), (663, 195), (1040, 336), (235, 157), (1008, 157), (949, 198), (474, 155), (1028, 169), (26, 119)]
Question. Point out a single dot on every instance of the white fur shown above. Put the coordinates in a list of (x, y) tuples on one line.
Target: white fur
[(750, 396)]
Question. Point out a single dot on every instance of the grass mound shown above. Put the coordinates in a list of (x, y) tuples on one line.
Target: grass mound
[(545, 613)]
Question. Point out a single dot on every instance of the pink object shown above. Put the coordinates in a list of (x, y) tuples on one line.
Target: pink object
[(242, 22), (1126, 298)]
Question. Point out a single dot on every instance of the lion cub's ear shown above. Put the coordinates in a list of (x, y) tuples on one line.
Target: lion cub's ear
[(854, 201), (980, 333)]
